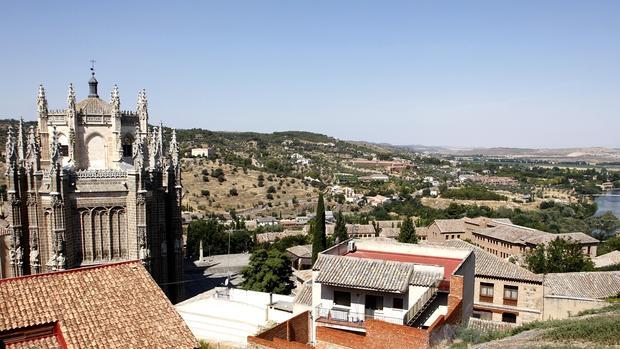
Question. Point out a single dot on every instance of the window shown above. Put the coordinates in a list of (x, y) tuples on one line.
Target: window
[(127, 150), (486, 289), (64, 150), (342, 298), (374, 302), (509, 317), (486, 292), (511, 294), (482, 314), (397, 303)]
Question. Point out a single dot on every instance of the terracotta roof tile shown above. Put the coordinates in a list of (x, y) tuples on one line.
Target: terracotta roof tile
[(112, 306)]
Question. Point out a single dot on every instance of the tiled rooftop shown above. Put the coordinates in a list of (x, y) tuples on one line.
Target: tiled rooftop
[(522, 235), (304, 296), (111, 306), (490, 265), (596, 285), (371, 274)]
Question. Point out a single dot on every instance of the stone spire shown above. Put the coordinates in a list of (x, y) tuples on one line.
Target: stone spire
[(10, 152), (71, 97), (42, 102), (115, 101), (160, 137), (154, 151), (20, 143), (143, 113), (33, 151), (54, 151), (138, 151), (174, 150)]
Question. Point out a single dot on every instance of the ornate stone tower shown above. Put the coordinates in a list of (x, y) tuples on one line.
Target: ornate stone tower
[(93, 185)]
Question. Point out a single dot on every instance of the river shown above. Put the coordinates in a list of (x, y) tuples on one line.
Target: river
[(610, 201)]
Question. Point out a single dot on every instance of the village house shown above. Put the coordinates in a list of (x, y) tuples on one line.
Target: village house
[(503, 292), (378, 293), (116, 305), (202, 152), (300, 256)]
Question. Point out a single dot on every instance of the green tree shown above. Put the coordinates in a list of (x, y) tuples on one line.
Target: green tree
[(559, 256), (407, 232), (611, 244), (340, 230), (268, 271), (536, 259), (319, 238)]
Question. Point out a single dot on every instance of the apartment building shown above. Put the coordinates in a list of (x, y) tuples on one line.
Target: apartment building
[(503, 292), (506, 240), (462, 228)]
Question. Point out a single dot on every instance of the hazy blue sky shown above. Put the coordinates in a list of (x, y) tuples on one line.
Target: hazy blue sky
[(461, 73)]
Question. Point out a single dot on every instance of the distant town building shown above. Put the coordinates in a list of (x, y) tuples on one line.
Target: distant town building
[(116, 305), (500, 237), (391, 166), (202, 152), (92, 184), (268, 221), (374, 178), (301, 256)]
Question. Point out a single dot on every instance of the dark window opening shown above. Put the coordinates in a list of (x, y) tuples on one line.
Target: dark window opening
[(397, 303), (64, 150), (127, 150), (509, 317), (482, 315), (342, 298), (374, 302)]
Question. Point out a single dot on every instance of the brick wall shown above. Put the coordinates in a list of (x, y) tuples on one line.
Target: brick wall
[(293, 333), (379, 334)]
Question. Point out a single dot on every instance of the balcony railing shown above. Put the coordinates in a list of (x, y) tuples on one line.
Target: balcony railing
[(345, 316)]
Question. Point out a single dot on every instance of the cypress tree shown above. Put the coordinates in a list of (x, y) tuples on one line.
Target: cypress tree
[(407, 232), (319, 238), (340, 230)]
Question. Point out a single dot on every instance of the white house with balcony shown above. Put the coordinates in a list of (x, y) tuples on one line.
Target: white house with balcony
[(381, 279)]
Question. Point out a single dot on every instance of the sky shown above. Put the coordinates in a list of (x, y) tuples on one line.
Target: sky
[(449, 73)]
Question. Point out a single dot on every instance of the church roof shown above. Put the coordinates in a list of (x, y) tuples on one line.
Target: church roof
[(94, 106), (110, 306)]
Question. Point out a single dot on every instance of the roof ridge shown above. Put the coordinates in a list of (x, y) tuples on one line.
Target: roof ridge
[(73, 270)]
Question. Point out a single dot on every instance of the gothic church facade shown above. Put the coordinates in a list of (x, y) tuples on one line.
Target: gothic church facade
[(92, 184)]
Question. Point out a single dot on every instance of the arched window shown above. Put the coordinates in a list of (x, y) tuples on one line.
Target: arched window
[(127, 143)]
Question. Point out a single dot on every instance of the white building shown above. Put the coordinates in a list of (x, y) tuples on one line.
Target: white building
[(202, 152), (381, 279)]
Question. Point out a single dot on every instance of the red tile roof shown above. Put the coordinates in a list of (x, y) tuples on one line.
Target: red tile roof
[(449, 264), (110, 306)]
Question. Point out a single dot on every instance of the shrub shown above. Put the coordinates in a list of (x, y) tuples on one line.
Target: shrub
[(205, 192), (233, 192)]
